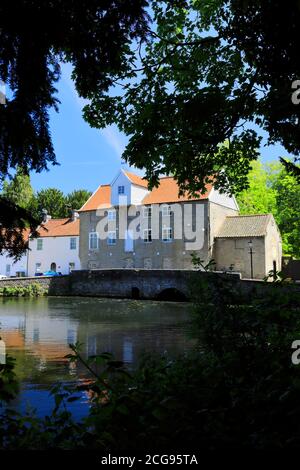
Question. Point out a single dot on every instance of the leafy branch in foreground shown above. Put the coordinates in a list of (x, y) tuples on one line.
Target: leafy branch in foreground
[(207, 73)]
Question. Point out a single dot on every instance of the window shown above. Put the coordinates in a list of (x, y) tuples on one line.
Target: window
[(147, 235), (111, 215), (166, 211), (111, 239), (73, 243), (121, 189), (38, 267), (167, 234), (239, 244), (39, 244), (147, 212), (93, 241)]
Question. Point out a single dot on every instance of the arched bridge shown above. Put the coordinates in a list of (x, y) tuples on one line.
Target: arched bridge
[(133, 283)]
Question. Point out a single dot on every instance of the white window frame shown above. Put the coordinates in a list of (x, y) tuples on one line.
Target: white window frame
[(73, 241), (147, 212), (149, 235), (111, 214), (112, 238), (166, 210), (121, 189), (39, 244), (92, 237), (169, 237)]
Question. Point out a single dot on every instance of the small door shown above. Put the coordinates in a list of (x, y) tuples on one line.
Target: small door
[(53, 267)]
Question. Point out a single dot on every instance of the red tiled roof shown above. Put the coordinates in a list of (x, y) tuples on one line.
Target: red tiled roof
[(59, 228), (167, 191), (137, 180), (101, 197)]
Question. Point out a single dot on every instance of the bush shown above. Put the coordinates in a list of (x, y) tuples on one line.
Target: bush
[(32, 290)]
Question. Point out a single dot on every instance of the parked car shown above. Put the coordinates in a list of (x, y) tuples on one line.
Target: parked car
[(2, 276), (51, 273)]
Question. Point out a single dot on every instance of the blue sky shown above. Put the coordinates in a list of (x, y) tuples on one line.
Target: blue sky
[(89, 157)]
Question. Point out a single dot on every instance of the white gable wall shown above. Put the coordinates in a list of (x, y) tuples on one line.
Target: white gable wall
[(14, 267), (137, 194), (223, 199), (120, 180), (55, 250)]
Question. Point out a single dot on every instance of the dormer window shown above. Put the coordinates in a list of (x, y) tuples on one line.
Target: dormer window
[(121, 189)]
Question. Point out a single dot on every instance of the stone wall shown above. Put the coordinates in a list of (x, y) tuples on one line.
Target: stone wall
[(128, 283), (139, 283), (155, 255), (235, 252)]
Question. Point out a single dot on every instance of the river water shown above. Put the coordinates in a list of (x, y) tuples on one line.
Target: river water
[(37, 333)]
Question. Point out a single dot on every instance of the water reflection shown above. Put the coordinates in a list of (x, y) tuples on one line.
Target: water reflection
[(37, 333)]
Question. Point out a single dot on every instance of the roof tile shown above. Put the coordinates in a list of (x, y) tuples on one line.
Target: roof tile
[(137, 180), (167, 191), (59, 228), (245, 226), (101, 197)]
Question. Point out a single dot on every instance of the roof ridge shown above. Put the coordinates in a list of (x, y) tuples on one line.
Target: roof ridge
[(249, 215), (132, 173), (58, 218)]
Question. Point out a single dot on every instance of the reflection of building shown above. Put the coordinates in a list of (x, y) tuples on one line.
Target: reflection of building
[(49, 337), (13, 338), (56, 248)]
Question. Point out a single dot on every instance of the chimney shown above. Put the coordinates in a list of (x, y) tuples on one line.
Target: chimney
[(45, 216), (74, 215)]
